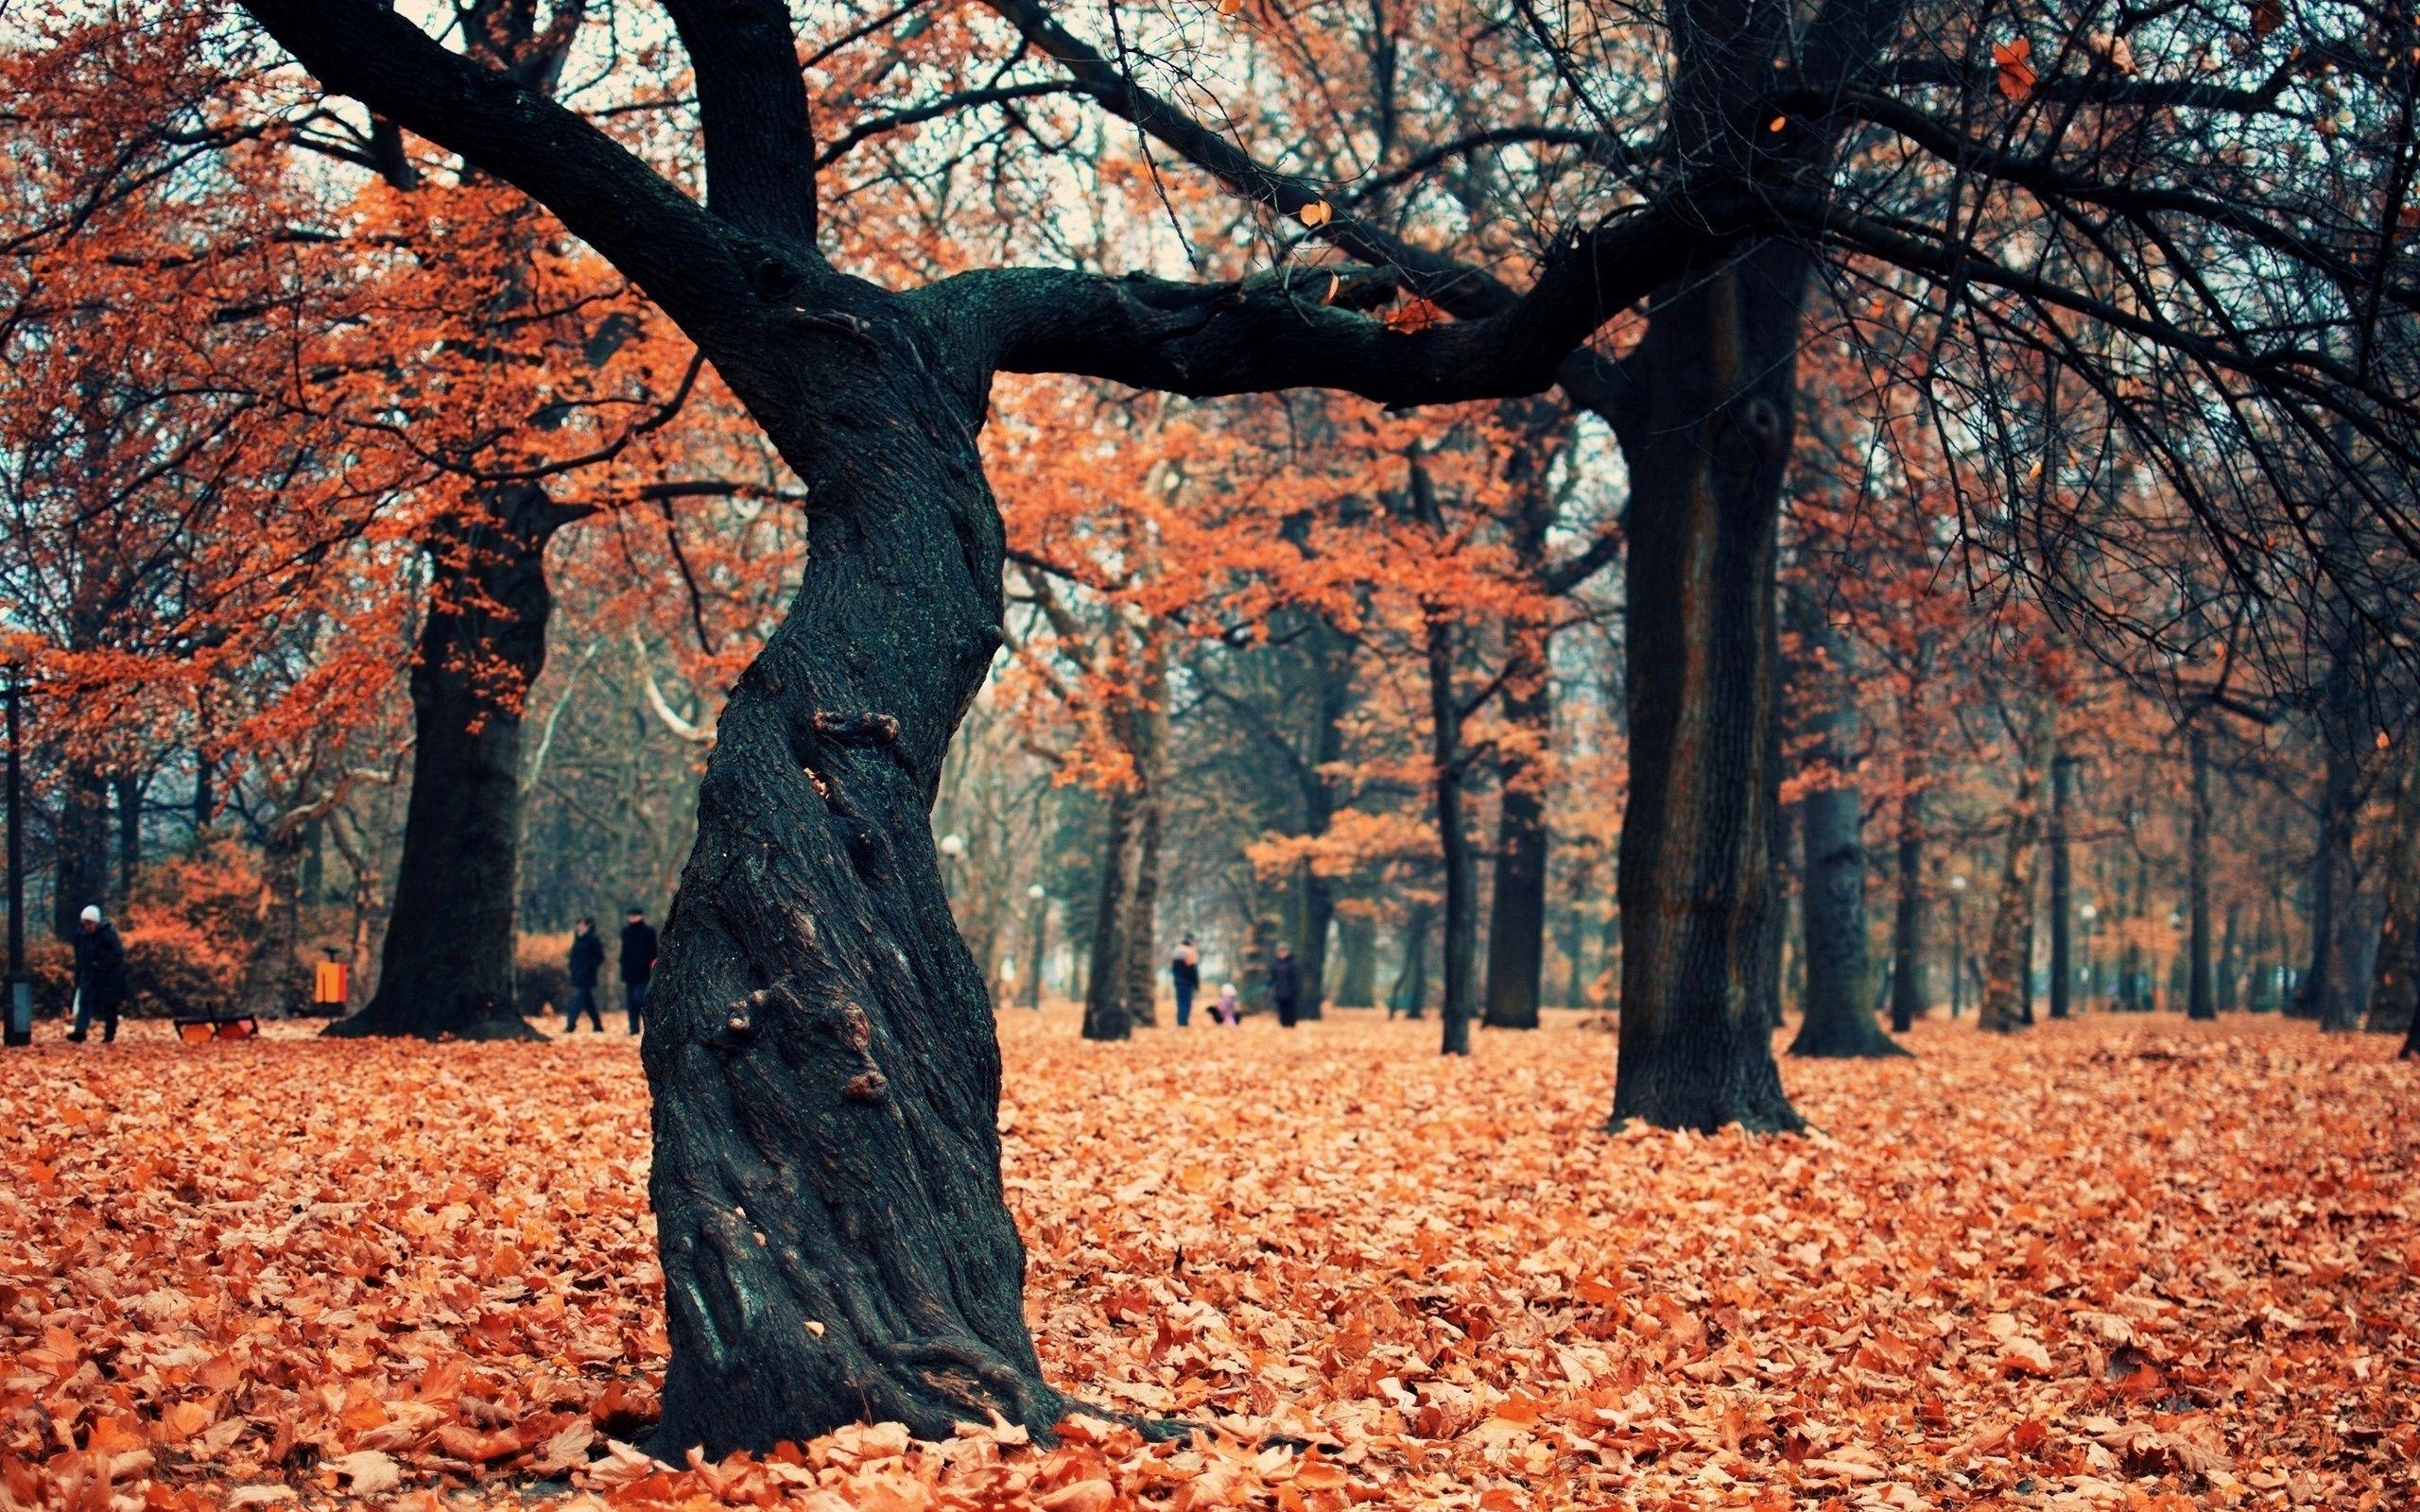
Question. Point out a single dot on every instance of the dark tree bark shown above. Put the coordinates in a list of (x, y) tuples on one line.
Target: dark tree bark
[(1409, 995), (1140, 913), (1517, 915), (2395, 982), (1105, 1012), (447, 964), (128, 788), (2201, 998), (1907, 935), (1838, 1019), (1453, 839), (1357, 938), (80, 877), (2326, 993), (2062, 903), (266, 989), (1706, 449), (2008, 958), (1333, 655), (1575, 948)]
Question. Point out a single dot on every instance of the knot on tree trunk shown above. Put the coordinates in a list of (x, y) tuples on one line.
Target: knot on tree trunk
[(861, 730)]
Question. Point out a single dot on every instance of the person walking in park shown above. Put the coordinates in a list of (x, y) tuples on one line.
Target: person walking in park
[(1285, 984), (100, 975), (587, 960), (1186, 972), (638, 964)]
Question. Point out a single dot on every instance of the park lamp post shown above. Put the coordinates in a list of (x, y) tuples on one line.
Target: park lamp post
[(1956, 946), (20, 1027), (953, 849), (1041, 897)]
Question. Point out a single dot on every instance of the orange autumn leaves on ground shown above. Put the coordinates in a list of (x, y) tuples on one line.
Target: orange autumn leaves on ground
[(2121, 1263)]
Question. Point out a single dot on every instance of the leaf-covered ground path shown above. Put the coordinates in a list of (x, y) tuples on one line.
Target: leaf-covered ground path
[(2121, 1263)]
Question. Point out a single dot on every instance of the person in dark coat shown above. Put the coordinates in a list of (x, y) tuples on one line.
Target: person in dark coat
[(638, 965), (587, 960), (1186, 972), (1284, 986), (100, 976)]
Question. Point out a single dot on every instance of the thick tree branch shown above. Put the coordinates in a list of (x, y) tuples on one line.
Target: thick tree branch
[(751, 99), (1276, 332)]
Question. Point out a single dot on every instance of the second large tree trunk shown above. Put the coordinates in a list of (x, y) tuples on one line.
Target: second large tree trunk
[(1696, 888), (2395, 981), (82, 877), (447, 966)]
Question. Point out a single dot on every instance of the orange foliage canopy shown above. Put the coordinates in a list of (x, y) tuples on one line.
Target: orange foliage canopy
[(2123, 1262)]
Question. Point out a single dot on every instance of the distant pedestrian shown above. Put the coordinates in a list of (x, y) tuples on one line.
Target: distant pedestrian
[(587, 960), (1284, 986), (1185, 971), (100, 975), (638, 965), (1229, 1004)]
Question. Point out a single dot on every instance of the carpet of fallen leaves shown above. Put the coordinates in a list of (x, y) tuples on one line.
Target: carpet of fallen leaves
[(2122, 1263)]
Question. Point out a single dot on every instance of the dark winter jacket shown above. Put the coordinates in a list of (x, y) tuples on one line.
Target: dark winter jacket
[(587, 958), (638, 952), (100, 967), (1284, 979), (1183, 972)]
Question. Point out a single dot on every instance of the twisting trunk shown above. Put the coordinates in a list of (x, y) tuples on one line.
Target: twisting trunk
[(80, 878), (2008, 958), (1105, 1013), (2063, 768), (2395, 982), (1707, 454), (1517, 916), (1907, 944), (447, 966), (1357, 938), (835, 1241), (2200, 993), (1838, 1020)]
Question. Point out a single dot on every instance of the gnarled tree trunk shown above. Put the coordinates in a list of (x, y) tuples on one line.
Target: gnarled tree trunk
[(826, 1183), (447, 965)]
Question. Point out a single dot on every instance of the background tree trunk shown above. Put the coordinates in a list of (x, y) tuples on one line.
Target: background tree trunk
[(271, 965), (1105, 1013), (1517, 915), (2007, 959), (82, 877), (447, 966), (1409, 995), (1707, 454), (1453, 839), (1356, 939), (128, 788), (1140, 917), (1907, 936), (2395, 982), (2201, 992), (2062, 781), (1838, 1020)]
